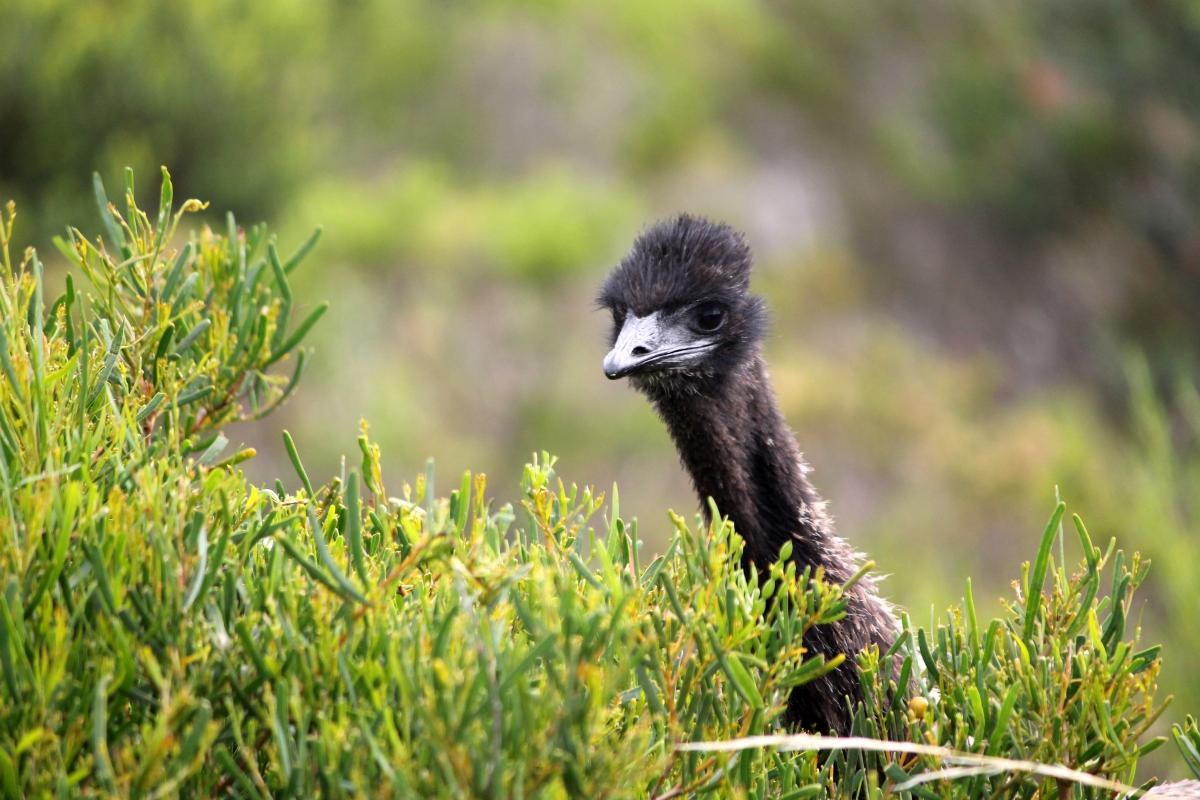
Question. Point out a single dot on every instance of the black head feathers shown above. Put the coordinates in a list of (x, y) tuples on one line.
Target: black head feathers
[(679, 261)]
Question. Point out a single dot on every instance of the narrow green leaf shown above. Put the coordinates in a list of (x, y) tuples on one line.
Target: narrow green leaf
[(213, 451), (7, 365), (354, 527), (110, 362), (1033, 591), (1090, 552), (745, 684), (314, 571), (339, 577), (102, 762), (297, 335), (184, 295), (200, 569), (165, 197), (812, 668), (279, 724), (242, 629), (287, 390), (192, 395), (7, 641), (927, 656), (182, 261), (192, 335), (1187, 739), (972, 620), (464, 503), (650, 691), (281, 280), (151, 406), (583, 569), (115, 235), (303, 252), (294, 456), (1000, 726)]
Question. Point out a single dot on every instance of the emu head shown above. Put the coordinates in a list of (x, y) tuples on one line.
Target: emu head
[(681, 306)]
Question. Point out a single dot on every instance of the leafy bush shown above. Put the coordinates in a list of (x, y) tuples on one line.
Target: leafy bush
[(168, 627)]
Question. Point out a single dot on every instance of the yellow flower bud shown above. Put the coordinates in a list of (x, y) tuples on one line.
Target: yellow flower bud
[(917, 706)]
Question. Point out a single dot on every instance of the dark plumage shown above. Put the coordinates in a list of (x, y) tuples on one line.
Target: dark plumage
[(687, 333)]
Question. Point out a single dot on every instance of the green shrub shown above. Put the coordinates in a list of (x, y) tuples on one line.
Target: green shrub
[(166, 627)]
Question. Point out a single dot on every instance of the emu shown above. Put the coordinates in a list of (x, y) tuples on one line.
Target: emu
[(687, 333)]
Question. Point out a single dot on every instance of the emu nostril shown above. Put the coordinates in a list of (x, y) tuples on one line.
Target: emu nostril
[(640, 351)]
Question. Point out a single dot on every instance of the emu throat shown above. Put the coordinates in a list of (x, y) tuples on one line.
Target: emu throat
[(735, 444)]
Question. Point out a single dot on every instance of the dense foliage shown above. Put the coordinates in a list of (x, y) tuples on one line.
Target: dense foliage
[(167, 626)]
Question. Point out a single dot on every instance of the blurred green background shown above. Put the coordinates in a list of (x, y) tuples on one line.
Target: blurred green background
[(977, 226)]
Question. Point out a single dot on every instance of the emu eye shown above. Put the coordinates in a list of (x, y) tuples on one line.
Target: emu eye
[(709, 318)]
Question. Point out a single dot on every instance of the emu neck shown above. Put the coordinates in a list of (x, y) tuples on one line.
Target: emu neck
[(733, 440)]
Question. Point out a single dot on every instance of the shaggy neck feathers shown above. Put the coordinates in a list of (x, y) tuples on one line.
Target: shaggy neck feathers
[(735, 444)]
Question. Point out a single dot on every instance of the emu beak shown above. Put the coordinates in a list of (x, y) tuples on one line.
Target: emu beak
[(636, 345)]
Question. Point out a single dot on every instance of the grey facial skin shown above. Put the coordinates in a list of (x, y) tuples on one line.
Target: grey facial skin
[(655, 342)]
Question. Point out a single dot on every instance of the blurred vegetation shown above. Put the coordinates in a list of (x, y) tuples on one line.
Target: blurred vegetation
[(977, 226), (167, 627)]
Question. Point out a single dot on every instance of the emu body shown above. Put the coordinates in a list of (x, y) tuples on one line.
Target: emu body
[(687, 333)]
